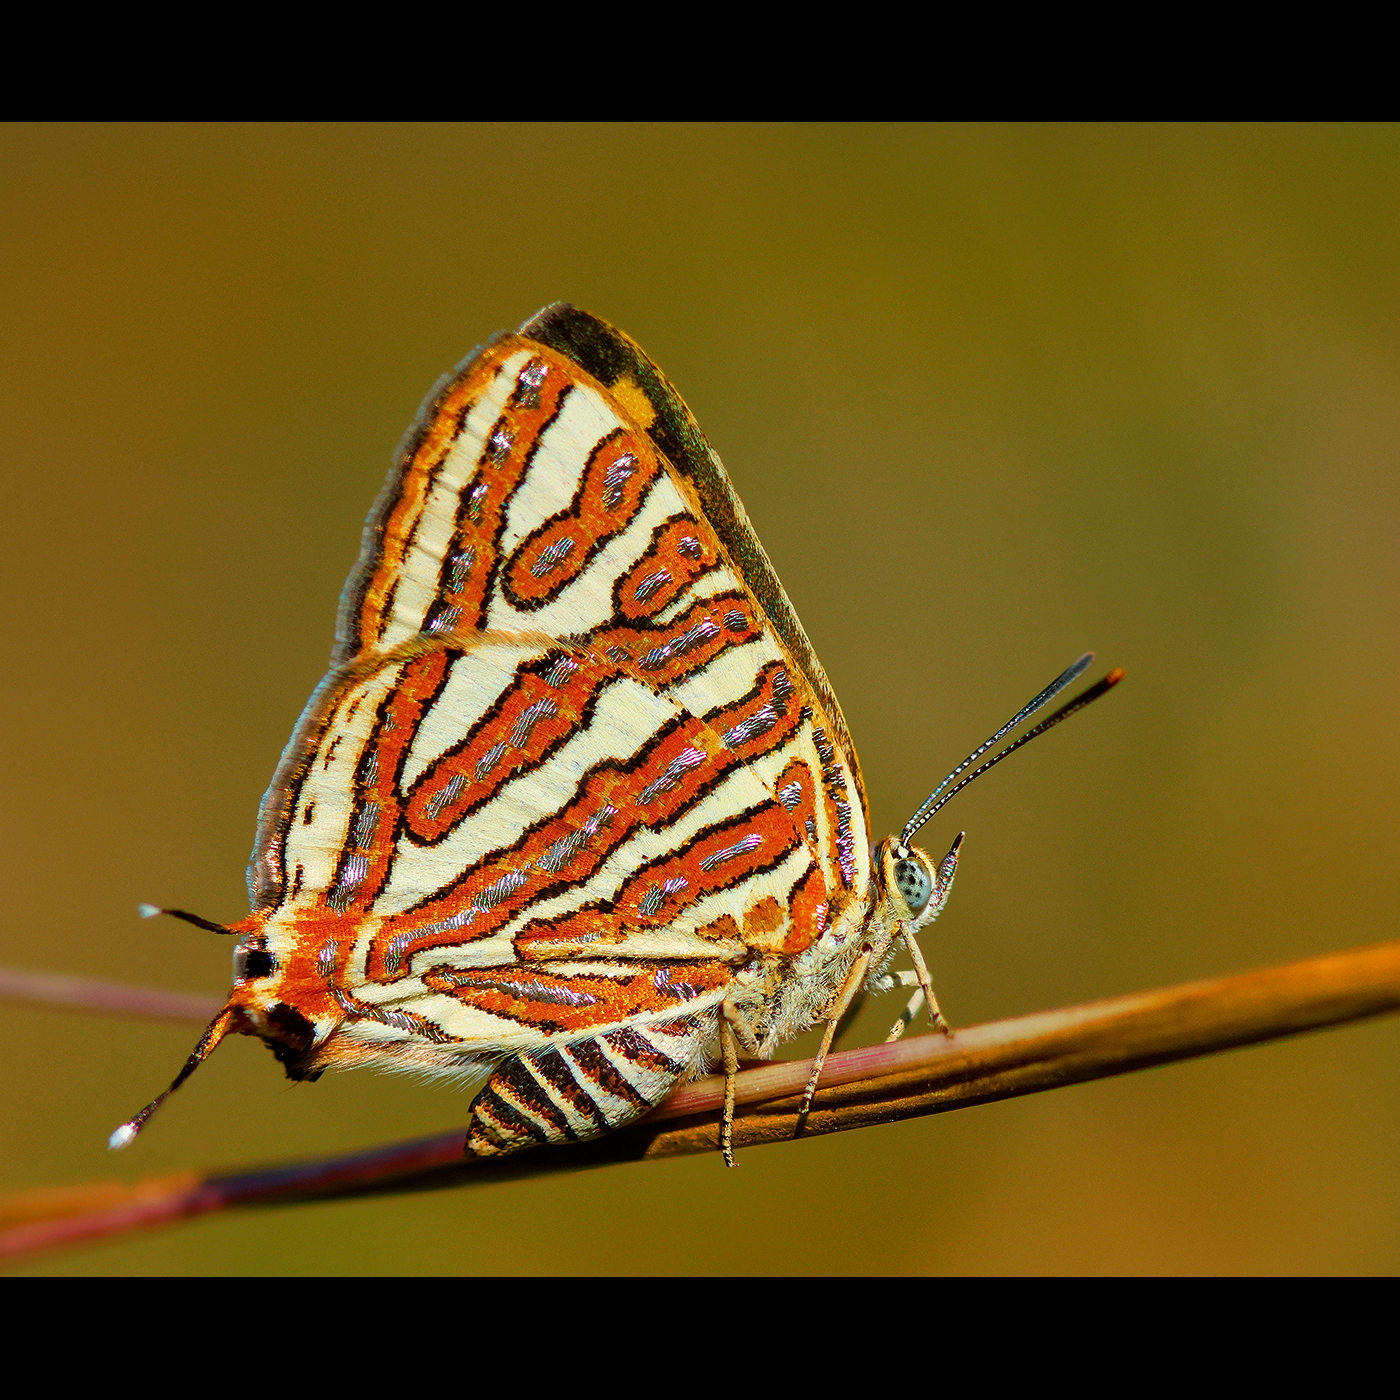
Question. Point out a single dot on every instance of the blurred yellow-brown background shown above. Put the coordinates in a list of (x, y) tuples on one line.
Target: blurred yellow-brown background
[(992, 395)]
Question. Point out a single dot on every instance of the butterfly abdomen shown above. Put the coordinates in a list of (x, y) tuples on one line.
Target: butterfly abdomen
[(567, 1093)]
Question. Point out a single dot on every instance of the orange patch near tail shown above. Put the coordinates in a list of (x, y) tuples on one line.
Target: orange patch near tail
[(764, 917)]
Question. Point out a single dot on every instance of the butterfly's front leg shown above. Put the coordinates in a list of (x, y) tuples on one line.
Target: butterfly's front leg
[(918, 978), (887, 983), (925, 988)]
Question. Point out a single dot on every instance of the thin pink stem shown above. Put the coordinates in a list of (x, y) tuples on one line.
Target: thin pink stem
[(112, 998)]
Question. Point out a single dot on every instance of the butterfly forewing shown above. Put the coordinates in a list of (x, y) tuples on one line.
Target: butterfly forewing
[(576, 764)]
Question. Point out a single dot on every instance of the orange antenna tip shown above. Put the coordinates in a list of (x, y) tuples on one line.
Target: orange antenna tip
[(1114, 676)]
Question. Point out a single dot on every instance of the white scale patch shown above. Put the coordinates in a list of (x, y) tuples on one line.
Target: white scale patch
[(677, 940), (328, 790), (729, 677), (720, 579), (432, 534), (398, 994), (557, 467), (495, 951), (478, 1028), (626, 717)]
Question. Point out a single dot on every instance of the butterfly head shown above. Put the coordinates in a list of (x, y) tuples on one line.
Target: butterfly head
[(253, 1008), (913, 885)]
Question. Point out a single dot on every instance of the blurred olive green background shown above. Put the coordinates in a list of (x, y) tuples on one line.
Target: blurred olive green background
[(992, 395)]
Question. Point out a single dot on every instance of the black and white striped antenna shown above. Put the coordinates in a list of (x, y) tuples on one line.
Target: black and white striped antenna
[(944, 793)]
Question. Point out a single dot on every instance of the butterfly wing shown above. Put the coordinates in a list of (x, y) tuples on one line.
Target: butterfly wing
[(575, 761)]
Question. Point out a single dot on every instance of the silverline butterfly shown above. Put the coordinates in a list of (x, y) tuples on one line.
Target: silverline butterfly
[(575, 809)]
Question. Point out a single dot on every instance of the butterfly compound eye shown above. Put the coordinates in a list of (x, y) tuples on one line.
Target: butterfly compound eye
[(914, 884)]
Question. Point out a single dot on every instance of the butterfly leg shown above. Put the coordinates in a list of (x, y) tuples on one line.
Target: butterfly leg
[(921, 972), (854, 978), (848, 1017), (906, 1017), (729, 1049)]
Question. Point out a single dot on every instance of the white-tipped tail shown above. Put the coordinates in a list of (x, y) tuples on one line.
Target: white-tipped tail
[(122, 1137), (149, 911)]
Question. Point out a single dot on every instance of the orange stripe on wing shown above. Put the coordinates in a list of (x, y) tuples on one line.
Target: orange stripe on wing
[(364, 863), (580, 1001), (395, 530), (547, 703), (720, 857), (663, 656), (808, 911), (620, 472), (808, 901), (679, 553), (472, 560), (551, 700), (614, 800)]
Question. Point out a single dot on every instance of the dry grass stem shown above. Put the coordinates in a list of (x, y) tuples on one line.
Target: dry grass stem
[(82, 994), (859, 1088)]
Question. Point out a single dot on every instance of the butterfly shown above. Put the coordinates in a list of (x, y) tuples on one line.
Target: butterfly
[(575, 809)]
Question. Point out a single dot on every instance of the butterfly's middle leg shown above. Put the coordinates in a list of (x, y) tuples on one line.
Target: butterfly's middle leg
[(841, 1003), (570, 1091), (923, 995)]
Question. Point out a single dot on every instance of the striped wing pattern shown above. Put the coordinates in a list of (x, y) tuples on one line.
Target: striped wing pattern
[(575, 778)]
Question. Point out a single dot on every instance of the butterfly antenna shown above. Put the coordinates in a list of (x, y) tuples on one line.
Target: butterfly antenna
[(1065, 678), (214, 1032), (149, 911), (944, 793)]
